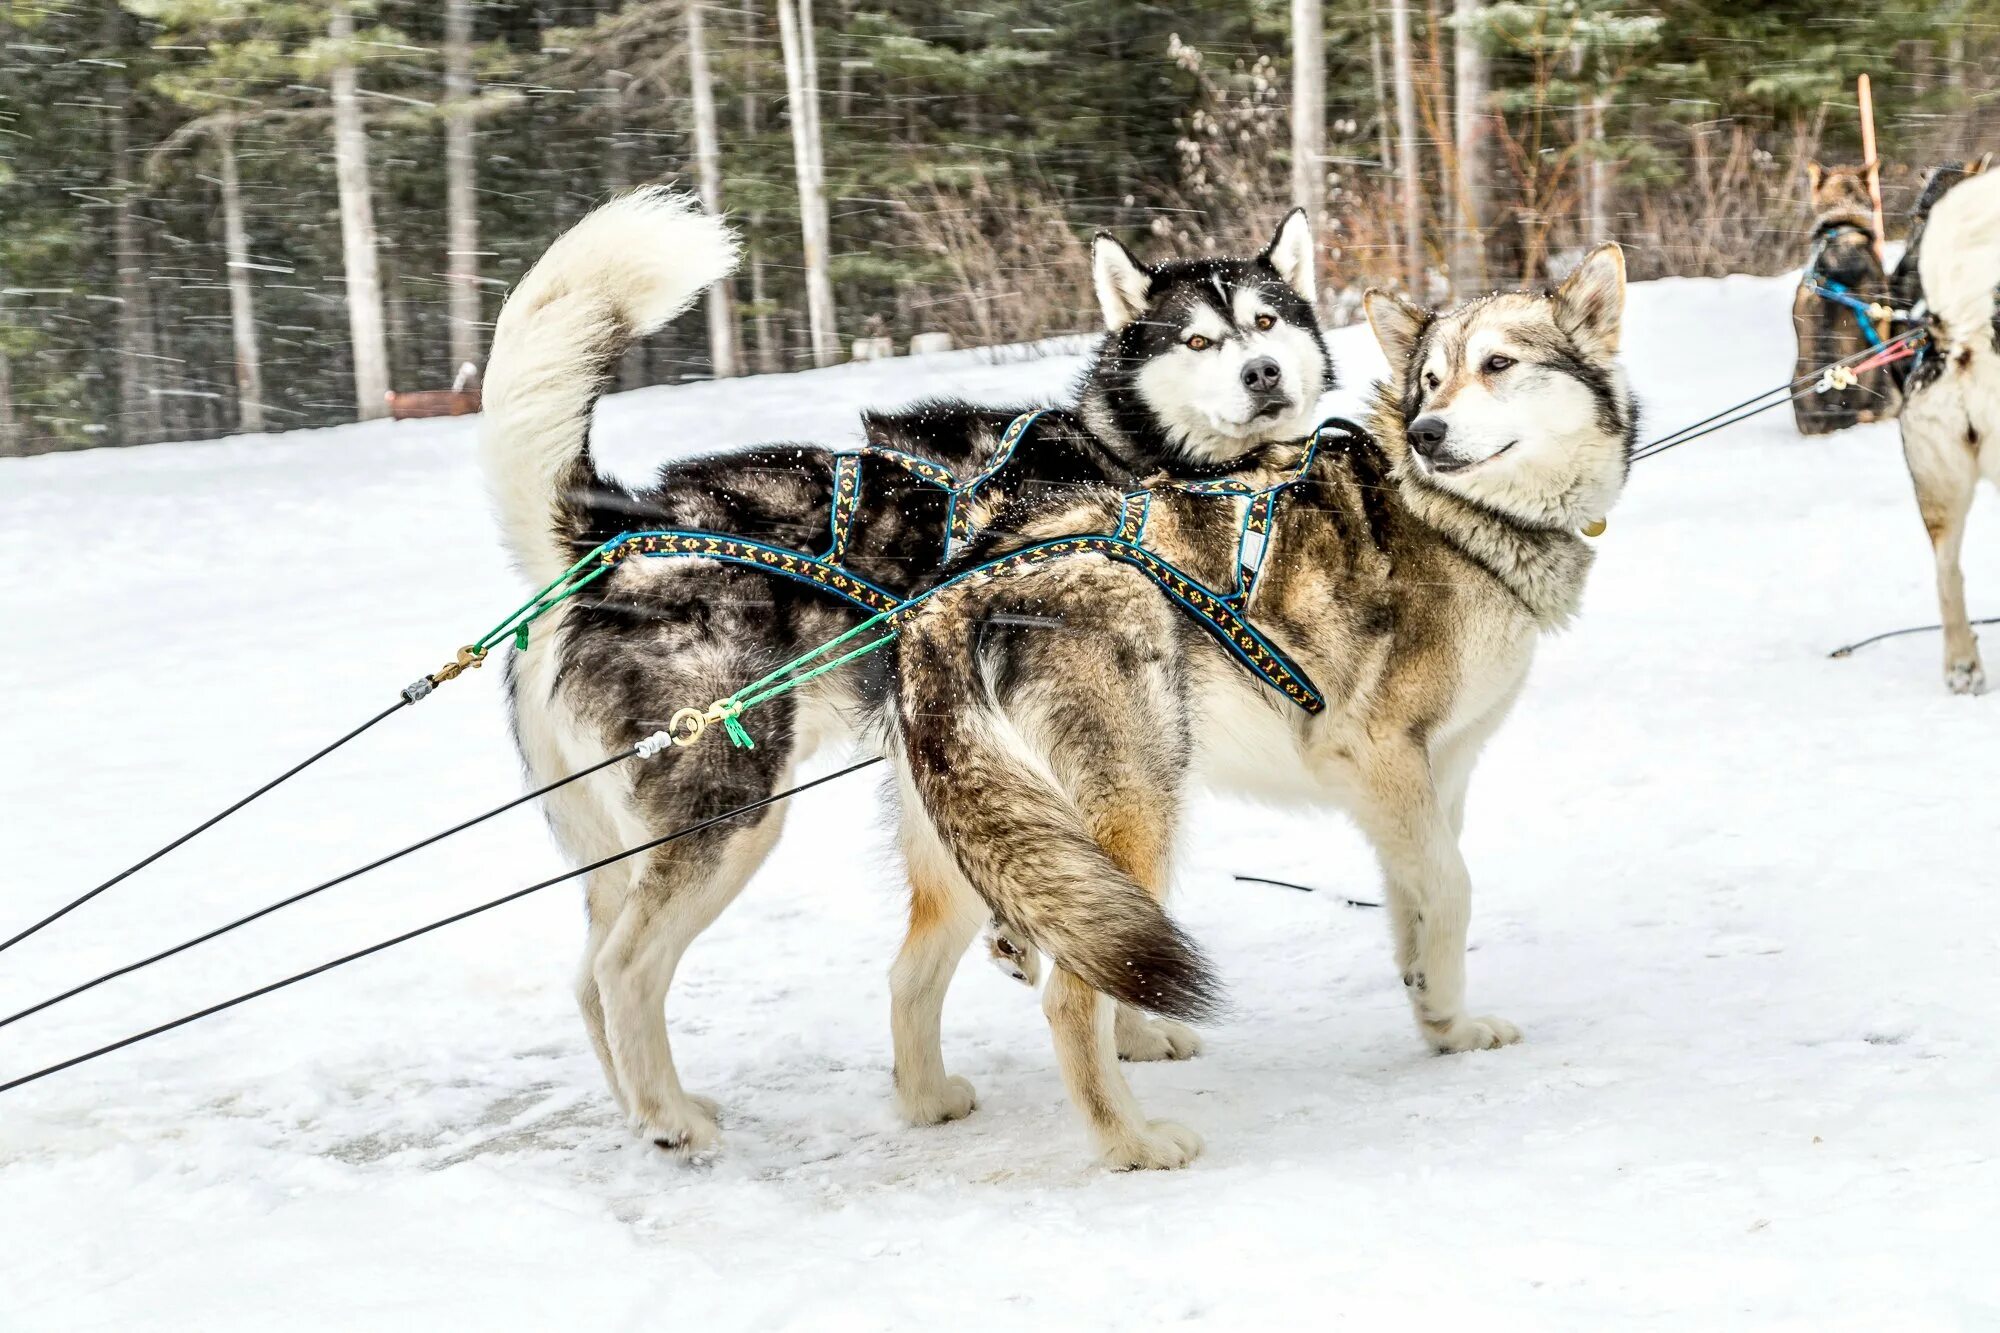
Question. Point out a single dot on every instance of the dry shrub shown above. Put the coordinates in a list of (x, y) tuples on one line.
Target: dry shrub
[(1006, 267)]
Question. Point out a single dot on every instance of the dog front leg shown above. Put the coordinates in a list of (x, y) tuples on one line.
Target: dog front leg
[(1429, 896)]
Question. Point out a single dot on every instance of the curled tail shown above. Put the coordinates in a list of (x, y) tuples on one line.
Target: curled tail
[(1023, 845), (1960, 256), (614, 277)]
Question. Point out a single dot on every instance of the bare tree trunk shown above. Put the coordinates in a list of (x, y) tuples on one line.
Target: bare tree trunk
[(722, 355), (461, 203), (1406, 148), (802, 88), (1383, 110), (357, 229), (10, 436), (242, 306), (1468, 242), (1597, 174), (1309, 108), (139, 411)]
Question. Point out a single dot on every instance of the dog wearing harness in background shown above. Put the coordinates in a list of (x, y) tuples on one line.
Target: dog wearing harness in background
[(1951, 406), (783, 547), (1840, 307), (1409, 574)]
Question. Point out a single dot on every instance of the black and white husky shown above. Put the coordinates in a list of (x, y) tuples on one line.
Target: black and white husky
[(1951, 399), (1203, 362)]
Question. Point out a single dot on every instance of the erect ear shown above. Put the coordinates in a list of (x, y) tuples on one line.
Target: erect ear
[(1291, 253), (1397, 325), (1591, 301), (1813, 173), (1123, 284), (1975, 168)]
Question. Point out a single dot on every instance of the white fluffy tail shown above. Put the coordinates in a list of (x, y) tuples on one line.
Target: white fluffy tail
[(1960, 260), (614, 277)]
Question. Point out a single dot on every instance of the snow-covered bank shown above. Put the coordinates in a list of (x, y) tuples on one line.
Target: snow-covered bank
[(1739, 896)]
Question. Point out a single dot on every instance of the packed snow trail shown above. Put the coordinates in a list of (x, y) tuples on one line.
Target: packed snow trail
[(1739, 896)]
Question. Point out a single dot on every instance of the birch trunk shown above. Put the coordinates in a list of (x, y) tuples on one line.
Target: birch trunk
[(1404, 73), (1597, 175), (242, 303), (1468, 242), (802, 88), (1309, 109), (461, 202), (723, 360), (357, 230)]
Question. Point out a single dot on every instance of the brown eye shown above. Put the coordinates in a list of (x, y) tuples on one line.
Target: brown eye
[(1431, 380), (1199, 344), (1266, 321), (1497, 363)]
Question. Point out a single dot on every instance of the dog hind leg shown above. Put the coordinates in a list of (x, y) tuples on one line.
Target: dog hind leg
[(945, 914), (679, 893), (1944, 468)]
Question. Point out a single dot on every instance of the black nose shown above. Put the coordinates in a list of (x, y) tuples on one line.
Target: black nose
[(1427, 435), (1262, 375)]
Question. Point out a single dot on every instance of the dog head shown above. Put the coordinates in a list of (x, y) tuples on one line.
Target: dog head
[(1206, 359), (1838, 191), (1514, 402)]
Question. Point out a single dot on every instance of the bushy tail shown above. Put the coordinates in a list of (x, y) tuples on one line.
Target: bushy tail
[(1023, 845), (622, 272), (1960, 257)]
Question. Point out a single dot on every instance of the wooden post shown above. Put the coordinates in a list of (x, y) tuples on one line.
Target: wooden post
[(1873, 163)]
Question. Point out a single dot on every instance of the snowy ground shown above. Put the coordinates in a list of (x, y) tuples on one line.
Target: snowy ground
[(1740, 896)]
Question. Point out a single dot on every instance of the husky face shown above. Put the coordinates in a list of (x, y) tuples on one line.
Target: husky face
[(1516, 402), (1212, 357)]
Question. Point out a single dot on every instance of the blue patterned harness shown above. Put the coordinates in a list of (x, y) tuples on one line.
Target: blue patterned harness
[(1221, 613)]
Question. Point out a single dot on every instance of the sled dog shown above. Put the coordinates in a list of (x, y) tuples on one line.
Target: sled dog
[(1043, 776), (1202, 362), (1951, 408), (1841, 265)]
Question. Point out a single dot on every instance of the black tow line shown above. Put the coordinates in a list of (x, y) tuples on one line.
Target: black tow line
[(439, 924), (1847, 650)]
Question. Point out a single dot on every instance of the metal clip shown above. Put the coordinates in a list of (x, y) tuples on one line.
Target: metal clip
[(468, 657), (687, 725), (1835, 378)]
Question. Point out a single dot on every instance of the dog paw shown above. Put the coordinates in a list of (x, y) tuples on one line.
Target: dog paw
[(1013, 955), (686, 1129), (1965, 677), (1472, 1034), (953, 1099), (1161, 1146), (1144, 1038)]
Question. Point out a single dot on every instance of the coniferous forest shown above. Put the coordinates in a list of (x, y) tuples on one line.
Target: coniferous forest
[(226, 215)]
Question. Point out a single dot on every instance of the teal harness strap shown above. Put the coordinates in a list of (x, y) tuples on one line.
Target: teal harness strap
[(958, 512), (1220, 613), (1215, 612)]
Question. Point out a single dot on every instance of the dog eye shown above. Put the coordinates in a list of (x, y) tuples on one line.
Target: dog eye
[(1199, 344), (1431, 380), (1266, 321), (1497, 363)]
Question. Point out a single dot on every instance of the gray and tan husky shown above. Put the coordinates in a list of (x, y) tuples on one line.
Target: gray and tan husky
[(613, 665), (1043, 776), (1951, 399)]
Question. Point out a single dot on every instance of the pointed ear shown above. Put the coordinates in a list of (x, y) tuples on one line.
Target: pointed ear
[(1397, 325), (1291, 253), (1124, 285), (1976, 168), (1813, 173), (1591, 301)]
